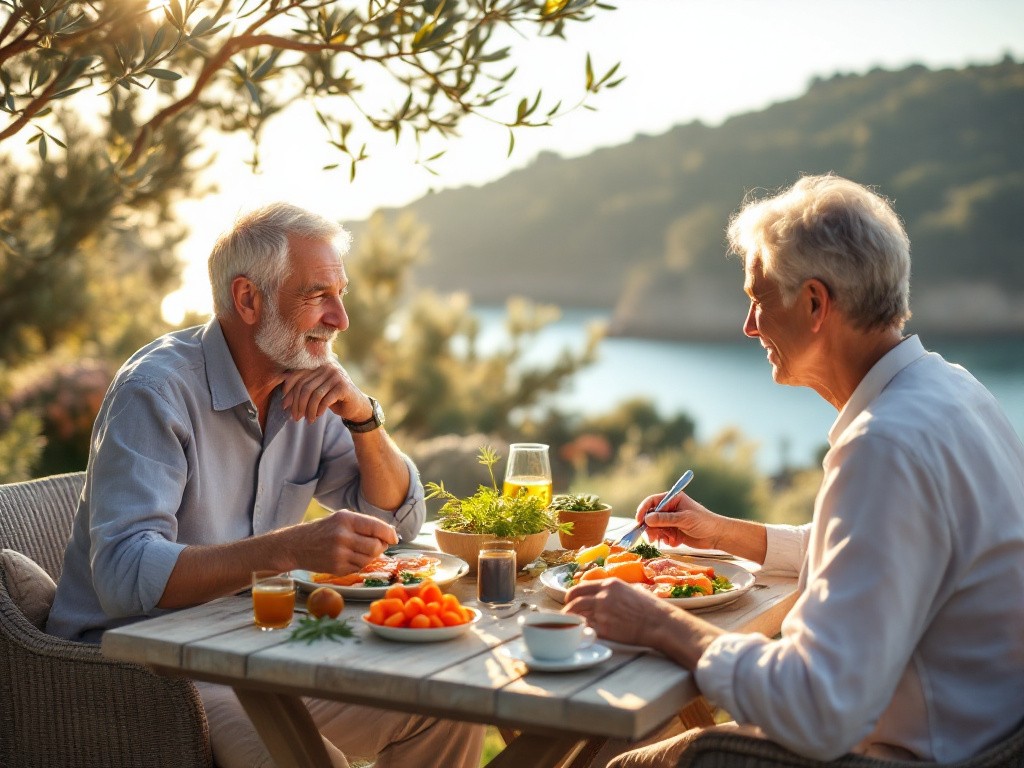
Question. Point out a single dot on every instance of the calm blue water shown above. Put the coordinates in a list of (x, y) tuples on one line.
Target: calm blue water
[(723, 385)]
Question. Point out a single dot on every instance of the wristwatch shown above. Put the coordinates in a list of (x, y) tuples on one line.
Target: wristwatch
[(371, 423)]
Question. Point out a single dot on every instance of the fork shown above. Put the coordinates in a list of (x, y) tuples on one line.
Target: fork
[(629, 537)]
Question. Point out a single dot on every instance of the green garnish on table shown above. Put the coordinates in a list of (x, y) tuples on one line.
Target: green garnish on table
[(310, 629)]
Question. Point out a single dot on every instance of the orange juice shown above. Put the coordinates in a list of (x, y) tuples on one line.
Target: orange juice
[(534, 486), (273, 601)]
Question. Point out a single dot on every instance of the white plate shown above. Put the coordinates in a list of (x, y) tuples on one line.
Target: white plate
[(409, 635), (589, 656), (448, 570), (742, 580)]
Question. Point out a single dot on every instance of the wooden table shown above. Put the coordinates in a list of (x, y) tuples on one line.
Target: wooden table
[(470, 678)]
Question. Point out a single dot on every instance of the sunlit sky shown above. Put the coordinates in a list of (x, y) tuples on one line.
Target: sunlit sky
[(684, 60)]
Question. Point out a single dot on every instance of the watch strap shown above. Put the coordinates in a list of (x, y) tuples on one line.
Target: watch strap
[(372, 423)]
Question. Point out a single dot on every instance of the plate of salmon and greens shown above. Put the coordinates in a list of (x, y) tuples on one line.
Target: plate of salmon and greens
[(689, 582), (401, 566)]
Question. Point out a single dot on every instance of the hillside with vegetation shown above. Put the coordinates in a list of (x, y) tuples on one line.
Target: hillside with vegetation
[(639, 228)]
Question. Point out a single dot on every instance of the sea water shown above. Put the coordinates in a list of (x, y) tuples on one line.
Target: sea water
[(727, 385)]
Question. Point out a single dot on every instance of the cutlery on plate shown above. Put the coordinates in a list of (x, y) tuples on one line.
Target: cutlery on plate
[(629, 538)]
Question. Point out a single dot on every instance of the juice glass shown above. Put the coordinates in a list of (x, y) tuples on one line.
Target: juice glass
[(273, 599), (529, 467)]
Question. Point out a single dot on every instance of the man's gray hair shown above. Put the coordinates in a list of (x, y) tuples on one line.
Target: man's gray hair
[(256, 246), (837, 231)]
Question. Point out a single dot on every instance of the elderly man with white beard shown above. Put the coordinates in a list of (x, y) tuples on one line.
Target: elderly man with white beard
[(209, 446)]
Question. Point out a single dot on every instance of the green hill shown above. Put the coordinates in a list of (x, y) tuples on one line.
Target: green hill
[(640, 227)]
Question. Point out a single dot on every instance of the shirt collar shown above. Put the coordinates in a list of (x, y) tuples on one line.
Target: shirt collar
[(226, 387), (877, 379)]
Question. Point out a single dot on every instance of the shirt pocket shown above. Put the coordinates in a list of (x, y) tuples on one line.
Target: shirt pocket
[(294, 501)]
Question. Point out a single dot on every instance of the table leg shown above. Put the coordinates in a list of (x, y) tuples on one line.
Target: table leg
[(581, 757), (286, 727), (586, 753), (535, 751), (697, 714)]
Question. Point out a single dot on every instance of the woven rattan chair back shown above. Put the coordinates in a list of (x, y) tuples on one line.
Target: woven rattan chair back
[(62, 703), (36, 516)]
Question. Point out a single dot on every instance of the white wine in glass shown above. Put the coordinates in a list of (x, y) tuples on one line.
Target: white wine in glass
[(528, 468)]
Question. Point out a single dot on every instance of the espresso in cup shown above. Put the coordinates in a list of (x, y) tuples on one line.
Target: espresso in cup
[(555, 636)]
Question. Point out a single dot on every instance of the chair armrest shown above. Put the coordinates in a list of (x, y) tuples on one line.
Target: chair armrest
[(67, 704), (719, 749)]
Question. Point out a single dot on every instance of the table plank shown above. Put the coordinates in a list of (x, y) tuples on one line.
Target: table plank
[(161, 640)]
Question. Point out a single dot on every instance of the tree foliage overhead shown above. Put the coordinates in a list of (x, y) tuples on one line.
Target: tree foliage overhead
[(114, 96), (440, 55)]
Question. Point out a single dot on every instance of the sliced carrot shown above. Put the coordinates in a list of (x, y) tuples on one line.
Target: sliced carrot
[(621, 557), (450, 602), (431, 609), (435, 620), (377, 612), (392, 605), (419, 621), (451, 618), (414, 607), (396, 620), (430, 592), (398, 591)]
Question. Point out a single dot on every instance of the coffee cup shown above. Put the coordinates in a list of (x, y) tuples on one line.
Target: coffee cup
[(555, 636)]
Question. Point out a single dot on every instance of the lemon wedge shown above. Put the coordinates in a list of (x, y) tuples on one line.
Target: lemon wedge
[(590, 554)]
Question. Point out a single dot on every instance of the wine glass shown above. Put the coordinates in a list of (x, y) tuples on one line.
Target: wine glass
[(528, 468)]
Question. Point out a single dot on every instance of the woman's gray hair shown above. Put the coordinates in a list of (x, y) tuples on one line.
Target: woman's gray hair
[(837, 231), (257, 246)]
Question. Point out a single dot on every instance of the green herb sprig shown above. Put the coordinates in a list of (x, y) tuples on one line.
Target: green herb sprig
[(646, 551), (310, 629)]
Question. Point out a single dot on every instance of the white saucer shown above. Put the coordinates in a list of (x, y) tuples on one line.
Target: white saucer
[(589, 656)]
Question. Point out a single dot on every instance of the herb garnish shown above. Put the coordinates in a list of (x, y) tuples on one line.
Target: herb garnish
[(310, 629), (646, 551), (375, 583), (570, 570), (408, 577), (687, 590)]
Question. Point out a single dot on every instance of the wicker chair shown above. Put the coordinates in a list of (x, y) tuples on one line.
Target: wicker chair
[(64, 704), (715, 749)]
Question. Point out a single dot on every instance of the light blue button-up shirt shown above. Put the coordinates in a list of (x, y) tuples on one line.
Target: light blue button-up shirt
[(177, 459)]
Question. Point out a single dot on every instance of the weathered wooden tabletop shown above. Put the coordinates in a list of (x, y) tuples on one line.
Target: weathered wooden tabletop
[(473, 677)]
